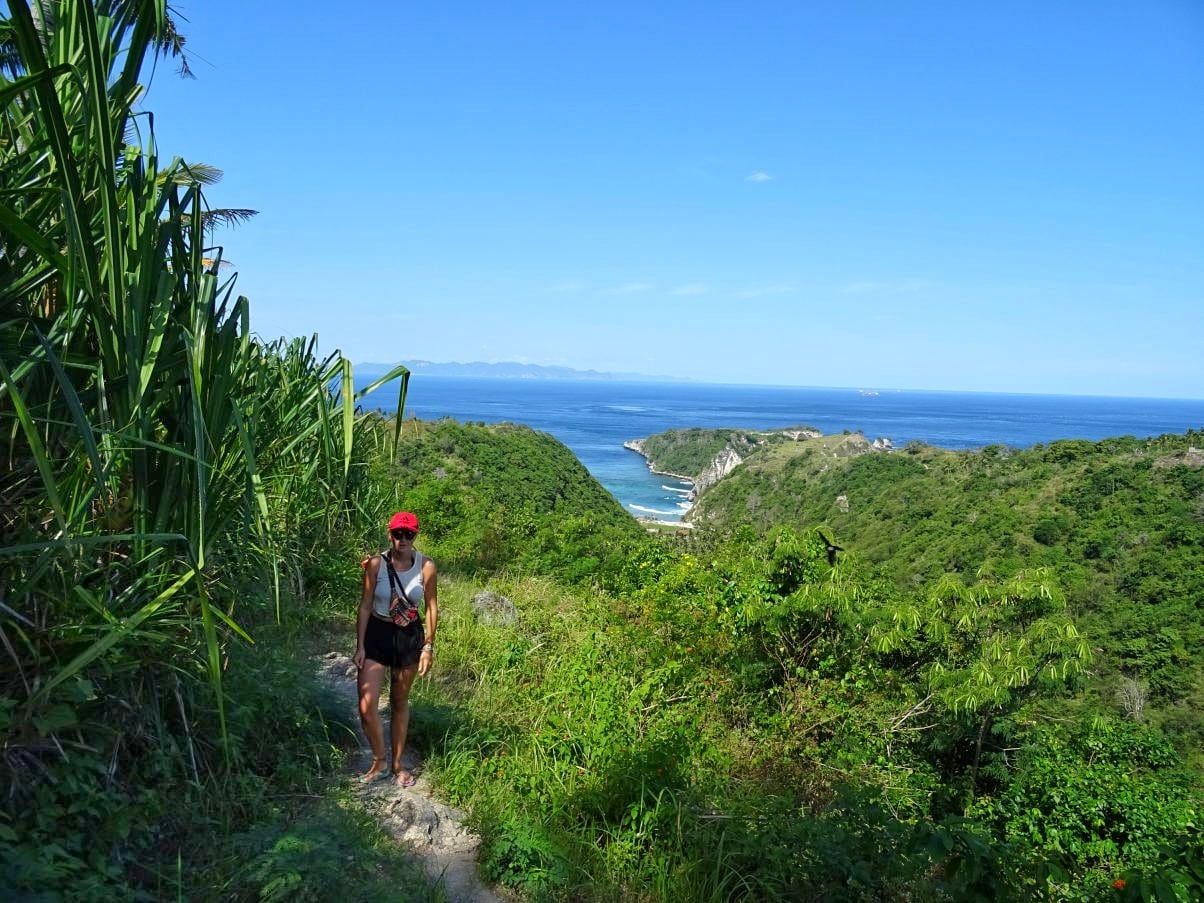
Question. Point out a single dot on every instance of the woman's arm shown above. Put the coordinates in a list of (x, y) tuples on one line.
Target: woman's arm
[(371, 569), (430, 595)]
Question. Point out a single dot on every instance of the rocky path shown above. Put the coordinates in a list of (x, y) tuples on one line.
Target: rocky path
[(434, 832)]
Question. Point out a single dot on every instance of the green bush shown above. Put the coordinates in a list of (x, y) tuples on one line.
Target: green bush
[(1108, 797), (522, 855)]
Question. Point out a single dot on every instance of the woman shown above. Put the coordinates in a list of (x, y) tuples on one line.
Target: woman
[(390, 634)]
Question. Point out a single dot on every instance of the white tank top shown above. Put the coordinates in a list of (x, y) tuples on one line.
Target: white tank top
[(410, 580)]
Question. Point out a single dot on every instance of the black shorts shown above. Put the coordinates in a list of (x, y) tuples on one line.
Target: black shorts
[(397, 647)]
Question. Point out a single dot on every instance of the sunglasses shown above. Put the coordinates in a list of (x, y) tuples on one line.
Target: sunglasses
[(403, 534)]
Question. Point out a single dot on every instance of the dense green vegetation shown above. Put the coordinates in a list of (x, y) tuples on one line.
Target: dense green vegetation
[(724, 716), (506, 497), (1120, 523), (168, 486), (729, 717), (688, 452)]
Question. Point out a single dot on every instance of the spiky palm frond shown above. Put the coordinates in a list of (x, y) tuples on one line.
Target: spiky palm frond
[(171, 42), (200, 173), (226, 216)]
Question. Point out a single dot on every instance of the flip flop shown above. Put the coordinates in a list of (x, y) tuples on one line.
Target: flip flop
[(404, 779), (375, 776)]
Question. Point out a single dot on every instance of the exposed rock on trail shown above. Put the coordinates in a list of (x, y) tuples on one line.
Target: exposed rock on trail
[(433, 831)]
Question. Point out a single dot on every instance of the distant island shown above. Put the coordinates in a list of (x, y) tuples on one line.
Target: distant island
[(507, 370)]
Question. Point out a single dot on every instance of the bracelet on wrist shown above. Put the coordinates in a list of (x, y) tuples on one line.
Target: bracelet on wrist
[(428, 647)]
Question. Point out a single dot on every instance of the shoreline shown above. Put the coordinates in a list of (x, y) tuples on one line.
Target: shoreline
[(669, 473), (653, 519), (656, 522), (637, 446)]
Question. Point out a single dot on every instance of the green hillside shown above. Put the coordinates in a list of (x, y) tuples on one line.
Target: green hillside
[(734, 719), (688, 452), (1120, 523), (751, 723), (505, 496)]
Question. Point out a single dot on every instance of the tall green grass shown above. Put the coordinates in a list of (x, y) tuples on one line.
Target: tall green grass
[(166, 477)]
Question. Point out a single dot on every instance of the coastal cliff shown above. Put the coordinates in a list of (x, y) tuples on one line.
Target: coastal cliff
[(639, 446), (723, 464), (703, 457)]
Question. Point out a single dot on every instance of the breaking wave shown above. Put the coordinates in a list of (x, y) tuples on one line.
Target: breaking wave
[(641, 508)]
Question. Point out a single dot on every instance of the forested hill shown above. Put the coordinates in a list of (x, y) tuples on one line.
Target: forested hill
[(689, 452), (505, 495), (729, 715), (1120, 523)]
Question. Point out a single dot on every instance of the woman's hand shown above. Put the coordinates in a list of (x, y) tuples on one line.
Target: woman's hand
[(358, 658), (425, 660)]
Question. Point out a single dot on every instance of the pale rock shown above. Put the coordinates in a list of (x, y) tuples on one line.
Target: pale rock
[(723, 464), (493, 609), (852, 445), (1193, 458), (800, 435)]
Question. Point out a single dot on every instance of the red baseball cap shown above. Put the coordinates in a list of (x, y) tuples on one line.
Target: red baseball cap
[(404, 520)]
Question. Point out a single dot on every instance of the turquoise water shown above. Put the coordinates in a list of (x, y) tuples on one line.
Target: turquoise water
[(594, 418)]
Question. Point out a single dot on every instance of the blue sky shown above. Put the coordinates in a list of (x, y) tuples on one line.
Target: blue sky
[(943, 195)]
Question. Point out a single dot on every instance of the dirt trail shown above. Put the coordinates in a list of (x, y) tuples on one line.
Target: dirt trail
[(433, 831)]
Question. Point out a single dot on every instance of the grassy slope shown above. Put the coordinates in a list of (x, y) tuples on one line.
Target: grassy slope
[(636, 748)]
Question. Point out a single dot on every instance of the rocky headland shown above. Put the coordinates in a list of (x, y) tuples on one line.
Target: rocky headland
[(704, 457), (637, 446)]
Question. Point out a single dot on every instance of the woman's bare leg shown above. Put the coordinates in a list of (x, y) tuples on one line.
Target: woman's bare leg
[(399, 697), (369, 682)]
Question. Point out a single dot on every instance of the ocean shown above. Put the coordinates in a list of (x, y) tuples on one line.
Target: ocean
[(595, 418)]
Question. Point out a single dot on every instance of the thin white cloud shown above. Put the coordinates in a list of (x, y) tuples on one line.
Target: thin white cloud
[(630, 288), (763, 291), (758, 176), (693, 288), (887, 287)]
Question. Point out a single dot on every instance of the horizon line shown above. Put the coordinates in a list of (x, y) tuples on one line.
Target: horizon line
[(633, 377)]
